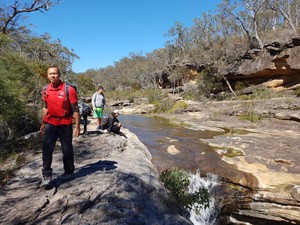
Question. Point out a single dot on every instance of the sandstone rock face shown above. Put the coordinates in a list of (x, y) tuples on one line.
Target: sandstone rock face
[(279, 60), (115, 183)]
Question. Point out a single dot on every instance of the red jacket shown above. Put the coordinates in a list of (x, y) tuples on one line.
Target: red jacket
[(59, 105)]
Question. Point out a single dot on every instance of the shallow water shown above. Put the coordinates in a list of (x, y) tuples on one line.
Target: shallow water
[(159, 134)]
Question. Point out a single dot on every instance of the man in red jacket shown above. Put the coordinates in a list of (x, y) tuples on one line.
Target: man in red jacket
[(60, 107)]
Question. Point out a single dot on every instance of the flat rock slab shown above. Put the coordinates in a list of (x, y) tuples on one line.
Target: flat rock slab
[(114, 183)]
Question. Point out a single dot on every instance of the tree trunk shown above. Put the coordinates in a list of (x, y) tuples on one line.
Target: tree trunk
[(229, 86)]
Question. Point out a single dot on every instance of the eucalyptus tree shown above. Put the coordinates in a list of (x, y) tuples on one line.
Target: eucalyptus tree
[(288, 9), (270, 20), (206, 42), (159, 57), (125, 74), (12, 13), (45, 51), (138, 70), (178, 45), (246, 14)]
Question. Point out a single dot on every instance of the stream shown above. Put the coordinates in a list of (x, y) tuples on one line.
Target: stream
[(159, 135), (171, 146)]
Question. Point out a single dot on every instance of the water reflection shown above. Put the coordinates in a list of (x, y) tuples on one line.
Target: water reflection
[(165, 139)]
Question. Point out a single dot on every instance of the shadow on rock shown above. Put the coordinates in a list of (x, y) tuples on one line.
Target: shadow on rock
[(101, 165), (93, 132)]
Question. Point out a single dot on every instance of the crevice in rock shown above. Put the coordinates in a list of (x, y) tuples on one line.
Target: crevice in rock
[(277, 203), (38, 211), (90, 203)]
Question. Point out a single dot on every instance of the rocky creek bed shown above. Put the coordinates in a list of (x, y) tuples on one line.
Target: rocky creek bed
[(115, 182), (260, 160)]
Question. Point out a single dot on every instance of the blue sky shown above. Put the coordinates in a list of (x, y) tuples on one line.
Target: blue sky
[(102, 32)]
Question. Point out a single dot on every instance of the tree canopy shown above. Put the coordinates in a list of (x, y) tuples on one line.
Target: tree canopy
[(216, 39)]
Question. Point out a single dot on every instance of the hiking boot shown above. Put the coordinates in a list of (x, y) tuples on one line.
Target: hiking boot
[(46, 181)]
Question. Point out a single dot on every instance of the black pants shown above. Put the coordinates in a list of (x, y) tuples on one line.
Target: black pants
[(115, 129), (65, 135), (85, 122)]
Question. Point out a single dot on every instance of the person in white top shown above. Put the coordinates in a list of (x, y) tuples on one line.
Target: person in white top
[(98, 103)]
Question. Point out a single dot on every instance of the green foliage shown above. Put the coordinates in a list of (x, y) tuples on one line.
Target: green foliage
[(176, 181), (5, 175), (17, 91), (163, 105), (84, 84), (297, 91), (151, 94), (251, 116), (21, 159), (5, 43), (209, 82), (16, 86), (238, 87), (154, 95), (265, 93), (179, 107)]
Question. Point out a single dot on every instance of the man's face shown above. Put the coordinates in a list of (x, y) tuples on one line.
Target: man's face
[(53, 75)]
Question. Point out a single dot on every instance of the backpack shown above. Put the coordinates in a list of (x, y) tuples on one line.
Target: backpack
[(67, 110), (67, 88), (86, 110), (105, 123)]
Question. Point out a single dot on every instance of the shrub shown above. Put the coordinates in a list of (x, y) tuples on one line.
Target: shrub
[(130, 94), (163, 105), (209, 82), (153, 95), (297, 92), (179, 107), (251, 116), (260, 94), (176, 181)]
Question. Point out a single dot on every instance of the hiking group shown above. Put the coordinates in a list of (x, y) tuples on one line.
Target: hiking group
[(61, 110)]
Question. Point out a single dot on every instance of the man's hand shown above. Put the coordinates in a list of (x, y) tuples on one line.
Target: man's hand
[(76, 132), (42, 128)]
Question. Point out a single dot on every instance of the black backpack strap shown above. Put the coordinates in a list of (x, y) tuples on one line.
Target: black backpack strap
[(67, 99), (67, 90)]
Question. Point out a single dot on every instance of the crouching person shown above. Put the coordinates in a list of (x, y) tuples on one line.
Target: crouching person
[(113, 124)]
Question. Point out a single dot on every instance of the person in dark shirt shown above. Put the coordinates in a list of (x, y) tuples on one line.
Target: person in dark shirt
[(114, 124), (85, 111)]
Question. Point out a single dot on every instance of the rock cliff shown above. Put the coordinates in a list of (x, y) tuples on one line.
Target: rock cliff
[(275, 66), (115, 183)]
